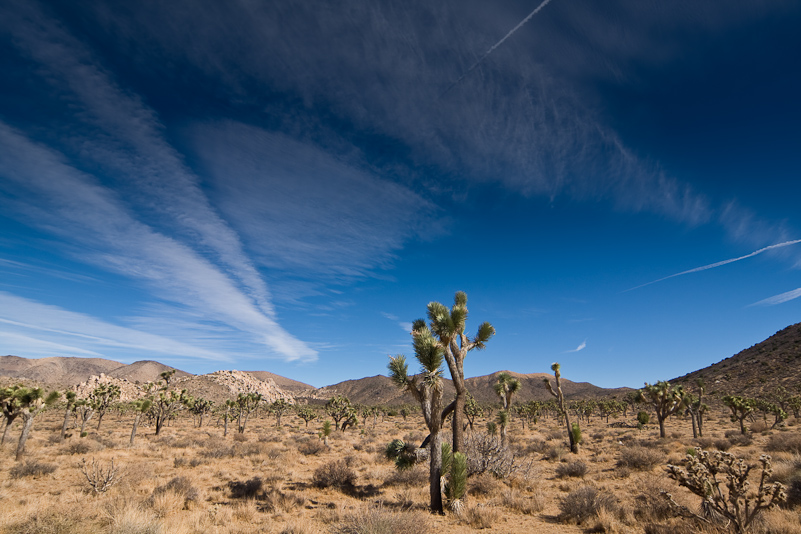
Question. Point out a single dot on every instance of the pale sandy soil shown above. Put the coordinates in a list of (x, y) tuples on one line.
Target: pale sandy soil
[(527, 501)]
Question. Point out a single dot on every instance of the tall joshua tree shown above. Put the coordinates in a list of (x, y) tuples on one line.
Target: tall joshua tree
[(140, 407), (71, 397), (426, 388), (9, 402), (562, 406), (32, 401), (505, 387), (447, 326), (665, 399), (101, 398)]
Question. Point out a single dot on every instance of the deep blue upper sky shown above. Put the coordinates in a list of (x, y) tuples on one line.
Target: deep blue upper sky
[(284, 186)]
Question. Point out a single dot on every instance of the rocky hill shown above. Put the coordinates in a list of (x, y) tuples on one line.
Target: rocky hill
[(380, 389), (286, 384), (221, 385), (144, 371), (56, 372), (756, 371)]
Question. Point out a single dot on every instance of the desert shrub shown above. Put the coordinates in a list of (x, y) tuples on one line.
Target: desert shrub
[(486, 454), (585, 502), (249, 489), (270, 438), (417, 476), (217, 450), (333, 474), (705, 442), (377, 520), (311, 447), (80, 447), (555, 453), (278, 501), (722, 444), (244, 450), (643, 418), (555, 433), (785, 442), (573, 469), (639, 458), (484, 484), (32, 468), (48, 521), (182, 487), (794, 492), (650, 505), (240, 438), (481, 516), (513, 499), (758, 426), (598, 436), (740, 440)]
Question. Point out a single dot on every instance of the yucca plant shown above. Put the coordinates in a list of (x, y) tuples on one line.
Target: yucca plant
[(447, 326), (426, 388)]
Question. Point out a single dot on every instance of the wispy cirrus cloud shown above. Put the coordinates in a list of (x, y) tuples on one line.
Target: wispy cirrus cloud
[(52, 195), (36, 329), (582, 346), (779, 299)]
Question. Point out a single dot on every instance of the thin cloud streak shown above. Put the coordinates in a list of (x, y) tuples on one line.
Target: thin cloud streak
[(779, 299), (582, 346), (496, 45), (719, 263)]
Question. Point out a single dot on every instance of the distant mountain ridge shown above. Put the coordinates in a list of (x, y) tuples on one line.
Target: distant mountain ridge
[(756, 371)]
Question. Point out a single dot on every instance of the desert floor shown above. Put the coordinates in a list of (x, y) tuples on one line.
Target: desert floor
[(194, 480)]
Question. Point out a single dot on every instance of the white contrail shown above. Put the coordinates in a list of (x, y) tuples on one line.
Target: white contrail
[(718, 264), (779, 299), (496, 45)]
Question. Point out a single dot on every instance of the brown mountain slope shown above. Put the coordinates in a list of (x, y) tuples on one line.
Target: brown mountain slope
[(380, 389), (55, 371), (756, 371), (143, 371), (286, 384)]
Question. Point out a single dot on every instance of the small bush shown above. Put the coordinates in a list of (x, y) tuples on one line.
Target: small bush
[(311, 447), (741, 440), (584, 503), (639, 458), (377, 520), (785, 442), (31, 468), (248, 489), (484, 484), (333, 474), (417, 476), (481, 516), (217, 451), (182, 487), (574, 469), (80, 447), (758, 426), (512, 499), (722, 444), (240, 438)]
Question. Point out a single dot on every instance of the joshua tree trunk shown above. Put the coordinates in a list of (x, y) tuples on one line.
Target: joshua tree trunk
[(27, 423), (65, 423), (435, 472), (5, 431), (133, 430)]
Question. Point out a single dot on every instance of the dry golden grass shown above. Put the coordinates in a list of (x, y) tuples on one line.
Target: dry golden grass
[(193, 480)]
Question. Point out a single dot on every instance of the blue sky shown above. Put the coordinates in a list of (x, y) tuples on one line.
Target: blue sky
[(284, 186)]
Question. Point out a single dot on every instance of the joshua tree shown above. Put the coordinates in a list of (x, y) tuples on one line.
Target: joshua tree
[(140, 407), (31, 401), (279, 407), (101, 398), (472, 410), (339, 408), (740, 409), (11, 408), (426, 388), (199, 408), (84, 411), (503, 422), (561, 405), (71, 397), (246, 403), (665, 399), (505, 387), (448, 327), (696, 408), (307, 413), (165, 402)]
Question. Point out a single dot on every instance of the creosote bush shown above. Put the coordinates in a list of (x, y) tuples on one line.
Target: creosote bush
[(334, 474), (584, 503), (249, 489), (377, 520), (311, 447), (573, 469), (785, 442), (639, 458), (31, 468)]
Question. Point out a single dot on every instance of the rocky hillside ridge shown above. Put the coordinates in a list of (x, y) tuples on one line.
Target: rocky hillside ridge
[(128, 390), (756, 371), (236, 382)]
